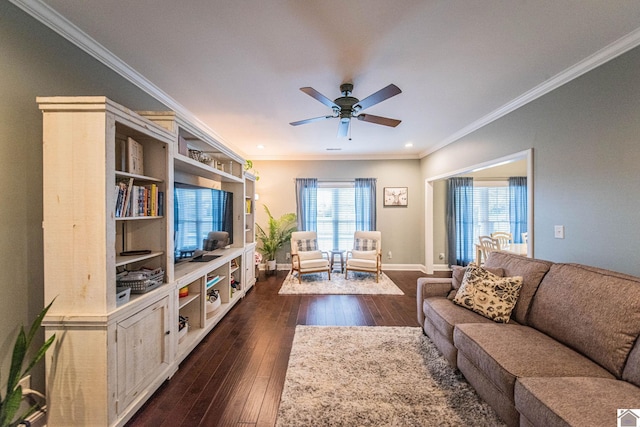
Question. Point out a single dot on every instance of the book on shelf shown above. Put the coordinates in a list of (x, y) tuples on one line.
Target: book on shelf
[(248, 206), (124, 188), (160, 203), (121, 155), (182, 146), (135, 157), (138, 200)]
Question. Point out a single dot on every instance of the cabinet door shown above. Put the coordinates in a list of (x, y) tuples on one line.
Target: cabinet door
[(249, 269), (143, 350)]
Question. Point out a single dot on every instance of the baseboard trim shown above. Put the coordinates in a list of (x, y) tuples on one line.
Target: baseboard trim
[(404, 267), (441, 267), (388, 267)]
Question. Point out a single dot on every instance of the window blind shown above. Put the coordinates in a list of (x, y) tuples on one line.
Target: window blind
[(336, 215), (490, 208)]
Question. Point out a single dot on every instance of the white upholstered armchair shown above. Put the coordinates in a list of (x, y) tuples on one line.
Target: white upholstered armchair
[(366, 255), (305, 255)]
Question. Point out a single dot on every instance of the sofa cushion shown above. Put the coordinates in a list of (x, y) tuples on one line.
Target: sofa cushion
[(631, 371), (573, 401), (504, 352), (594, 311), (444, 315), (457, 274), (487, 294), (532, 272)]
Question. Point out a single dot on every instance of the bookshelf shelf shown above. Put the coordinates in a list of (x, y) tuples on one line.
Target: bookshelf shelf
[(120, 174), (138, 218), (132, 259), (186, 300)]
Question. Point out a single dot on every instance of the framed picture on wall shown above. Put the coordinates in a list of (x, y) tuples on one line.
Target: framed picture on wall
[(396, 196)]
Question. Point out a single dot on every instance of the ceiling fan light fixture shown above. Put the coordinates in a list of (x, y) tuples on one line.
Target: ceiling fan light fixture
[(348, 106)]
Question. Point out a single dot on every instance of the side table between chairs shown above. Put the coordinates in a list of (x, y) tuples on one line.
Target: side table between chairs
[(335, 252)]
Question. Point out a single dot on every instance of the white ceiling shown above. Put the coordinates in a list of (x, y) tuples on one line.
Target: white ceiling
[(238, 65)]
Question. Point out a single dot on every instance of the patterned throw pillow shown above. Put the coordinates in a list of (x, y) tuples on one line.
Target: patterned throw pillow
[(307, 245), (365, 244), (487, 294), (458, 275)]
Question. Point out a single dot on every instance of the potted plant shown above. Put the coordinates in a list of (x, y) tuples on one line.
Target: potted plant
[(248, 167), (277, 233), (10, 402)]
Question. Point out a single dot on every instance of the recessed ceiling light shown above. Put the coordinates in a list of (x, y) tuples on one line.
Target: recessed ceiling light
[(408, 145), (260, 147)]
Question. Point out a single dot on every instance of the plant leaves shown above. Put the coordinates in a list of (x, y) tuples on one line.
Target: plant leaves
[(17, 358), (10, 406), (13, 398), (35, 326), (40, 354)]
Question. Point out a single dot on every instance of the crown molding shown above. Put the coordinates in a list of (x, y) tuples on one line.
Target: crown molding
[(67, 29), (602, 56)]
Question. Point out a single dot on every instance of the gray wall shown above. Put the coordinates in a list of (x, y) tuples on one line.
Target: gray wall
[(402, 227), (35, 62), (585, 139)]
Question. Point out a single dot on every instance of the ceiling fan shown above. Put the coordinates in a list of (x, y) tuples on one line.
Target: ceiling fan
[(346, 107)]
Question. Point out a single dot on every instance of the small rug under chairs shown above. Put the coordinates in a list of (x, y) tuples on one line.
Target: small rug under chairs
[(357, 284)]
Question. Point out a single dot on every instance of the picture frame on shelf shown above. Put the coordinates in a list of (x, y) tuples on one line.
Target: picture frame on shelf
[(396, 196)]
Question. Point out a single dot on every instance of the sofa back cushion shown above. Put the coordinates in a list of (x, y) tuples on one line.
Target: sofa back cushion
[(594, 311), (631, 371), (532, 272)]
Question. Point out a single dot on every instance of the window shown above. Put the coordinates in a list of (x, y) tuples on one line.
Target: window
[(490, 208), (336, 215)]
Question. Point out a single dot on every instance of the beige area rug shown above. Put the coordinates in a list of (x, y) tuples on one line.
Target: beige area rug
[(357, 283), (375, 376)]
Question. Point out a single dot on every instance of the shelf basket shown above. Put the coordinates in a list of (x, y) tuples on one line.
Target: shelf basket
[(141, 281)]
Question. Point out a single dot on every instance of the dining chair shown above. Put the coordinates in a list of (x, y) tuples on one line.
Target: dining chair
[(487, 244), (503, 237)]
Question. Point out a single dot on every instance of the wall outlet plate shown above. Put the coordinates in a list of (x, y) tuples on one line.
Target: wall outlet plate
[(558, 231)]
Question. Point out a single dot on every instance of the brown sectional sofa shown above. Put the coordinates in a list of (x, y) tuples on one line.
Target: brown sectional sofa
[(569, 356)]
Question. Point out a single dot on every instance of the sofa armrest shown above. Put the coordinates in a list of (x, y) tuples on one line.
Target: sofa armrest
[(431, 287)]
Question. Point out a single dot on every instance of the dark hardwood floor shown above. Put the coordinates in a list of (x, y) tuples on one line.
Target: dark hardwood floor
[(236, 375)]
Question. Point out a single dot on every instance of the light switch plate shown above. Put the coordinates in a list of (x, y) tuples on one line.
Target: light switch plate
[(558, 231)]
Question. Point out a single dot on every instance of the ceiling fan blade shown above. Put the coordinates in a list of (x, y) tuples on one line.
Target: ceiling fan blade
[(318, 96), (343, 129), (379, 96), (305, 121), (379, 120)]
